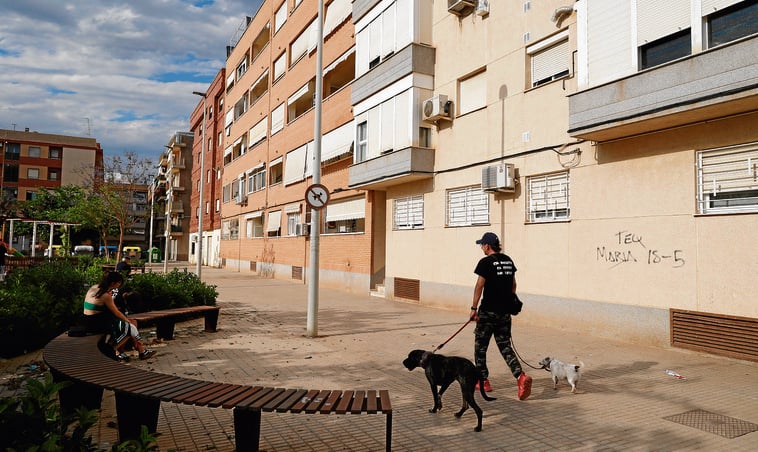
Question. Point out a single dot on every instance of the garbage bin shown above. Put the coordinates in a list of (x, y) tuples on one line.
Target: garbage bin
[(155, 254)]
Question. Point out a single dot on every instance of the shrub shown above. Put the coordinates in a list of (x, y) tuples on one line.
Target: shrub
[(171, 290)]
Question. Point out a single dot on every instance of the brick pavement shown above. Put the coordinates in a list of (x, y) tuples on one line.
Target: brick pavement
[(623, 397)]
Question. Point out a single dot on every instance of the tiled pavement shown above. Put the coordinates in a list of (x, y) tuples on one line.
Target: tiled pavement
[(622, 402)]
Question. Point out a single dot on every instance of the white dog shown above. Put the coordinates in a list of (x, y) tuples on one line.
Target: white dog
[(559, 370)]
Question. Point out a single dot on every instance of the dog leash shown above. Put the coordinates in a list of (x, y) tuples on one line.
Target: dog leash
[(513, 347), (451, 337)]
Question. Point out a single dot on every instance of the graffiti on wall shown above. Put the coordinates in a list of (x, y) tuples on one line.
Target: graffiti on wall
[(630, 248)]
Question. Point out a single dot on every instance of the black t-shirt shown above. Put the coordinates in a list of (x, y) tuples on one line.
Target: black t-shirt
[(498, 271)]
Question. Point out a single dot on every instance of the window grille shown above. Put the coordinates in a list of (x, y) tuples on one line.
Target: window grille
[(728, 179), (409, 213), (548, 197), (468, 206)]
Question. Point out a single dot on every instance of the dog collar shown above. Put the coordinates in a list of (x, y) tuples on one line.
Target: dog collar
[(424, 359)]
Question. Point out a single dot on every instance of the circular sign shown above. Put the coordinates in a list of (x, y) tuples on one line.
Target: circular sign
[(317, 196)]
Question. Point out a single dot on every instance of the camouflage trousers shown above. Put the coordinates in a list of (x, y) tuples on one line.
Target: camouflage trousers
[(499, 325)]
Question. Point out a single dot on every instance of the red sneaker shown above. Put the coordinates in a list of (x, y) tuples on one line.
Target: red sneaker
[(487, 387), (524, 386)]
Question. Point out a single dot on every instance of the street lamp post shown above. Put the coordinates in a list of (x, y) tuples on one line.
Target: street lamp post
[(201, 210)]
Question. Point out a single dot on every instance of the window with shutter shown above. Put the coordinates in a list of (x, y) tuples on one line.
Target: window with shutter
[(728, 179), (549, 63), (408, 213)]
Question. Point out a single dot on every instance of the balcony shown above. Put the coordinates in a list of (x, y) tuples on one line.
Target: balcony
[(713, 84), (177, 207), (394, 168), (412, 59)]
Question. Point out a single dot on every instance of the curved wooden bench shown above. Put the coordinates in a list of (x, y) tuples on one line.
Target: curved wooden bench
[(140, 392), (165, 319)]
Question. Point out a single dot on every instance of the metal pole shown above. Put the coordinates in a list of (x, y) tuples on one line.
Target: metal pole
[(201, 211), (313, 267), (169, 198), (152, 217)]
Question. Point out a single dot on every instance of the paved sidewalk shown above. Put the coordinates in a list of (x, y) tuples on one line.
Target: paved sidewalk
[(623, 400)]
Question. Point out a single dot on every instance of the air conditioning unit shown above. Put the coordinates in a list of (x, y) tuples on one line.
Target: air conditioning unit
[(461, 7), (302, 229), (240, 199), (482, 8), (437, 107), (499, 178)]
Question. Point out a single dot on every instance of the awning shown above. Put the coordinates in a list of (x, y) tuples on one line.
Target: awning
[(298, 94), (292, 208), (346, 210), (336, 13), (294, 167), (339, 60), (274, 221), (337, 142), (257, 214), (276, 161)]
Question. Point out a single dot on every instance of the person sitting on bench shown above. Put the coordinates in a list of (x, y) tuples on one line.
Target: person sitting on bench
[(101, 316)]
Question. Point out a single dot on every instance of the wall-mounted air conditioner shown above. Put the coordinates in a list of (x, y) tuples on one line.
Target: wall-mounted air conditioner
[(461, 7), (499, 178), (302, 229), (482, 8), (437, 107), (240, 199)]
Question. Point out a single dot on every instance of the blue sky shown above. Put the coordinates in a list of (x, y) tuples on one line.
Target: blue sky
[(121, 72)]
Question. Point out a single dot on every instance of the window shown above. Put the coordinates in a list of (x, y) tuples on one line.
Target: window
[(280, 17), (10, 173), (260, 42), (230, 229), (727, 179), (259, 87), (12, 151), (277, 119), (360, 151), (53, 174), (408, 213), (275, 171), (55, 152), (32, 173), (345, 216), (256, 180), (549, 59), (240, 107), (293, 224), (280, 66), (548, 197), (467, 206), (31, 195), (732, 23), (257, 133), (472, 93), (300, 45), (242, 68), (226, 193), (273, 225), (666, 49), (34, 151), (301, 101), (254, 226)]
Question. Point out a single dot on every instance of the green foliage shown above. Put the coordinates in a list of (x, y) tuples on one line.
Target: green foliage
[(172, 290), (41, 302), (33, 422)]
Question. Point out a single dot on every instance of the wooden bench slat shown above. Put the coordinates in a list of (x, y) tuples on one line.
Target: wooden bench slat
[(384, 398), (171, 390), (262, 393), (331, 403), (371, 402), (344, 403), (317, 402), (258, 403), (278, 400), (231, 403), (220, 394), (285, 405), (358, 400), (304, 401), (192, 398)]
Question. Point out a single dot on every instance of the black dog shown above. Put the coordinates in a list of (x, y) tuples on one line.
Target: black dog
[(442, 371)]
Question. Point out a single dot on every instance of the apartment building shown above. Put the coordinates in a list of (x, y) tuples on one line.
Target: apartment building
[(268, 156), (210, 182), (33, 160), (176, 166), (611, 147)]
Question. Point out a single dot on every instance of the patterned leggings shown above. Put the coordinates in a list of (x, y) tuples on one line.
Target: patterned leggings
[(499, 325)]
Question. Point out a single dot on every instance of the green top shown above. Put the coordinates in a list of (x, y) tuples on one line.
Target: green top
[(94, 307)]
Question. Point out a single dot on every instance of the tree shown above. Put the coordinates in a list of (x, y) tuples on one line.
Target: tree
[(122, 179)]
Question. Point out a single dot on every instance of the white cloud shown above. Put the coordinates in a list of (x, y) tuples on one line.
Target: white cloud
[(122, 71)]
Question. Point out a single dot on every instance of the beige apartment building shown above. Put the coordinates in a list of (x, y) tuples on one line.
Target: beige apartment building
[(612, 148), (268, 156), (172, 191)]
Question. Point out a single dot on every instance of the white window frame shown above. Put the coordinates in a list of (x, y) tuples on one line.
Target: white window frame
[(32, 173), (361, 140), (35, 152), (548, 198), (549, 59), (293, 219), (726, 179), (467, 206), (408, 213), (256, 180)]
